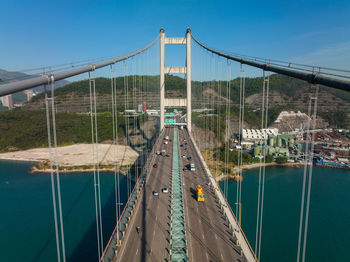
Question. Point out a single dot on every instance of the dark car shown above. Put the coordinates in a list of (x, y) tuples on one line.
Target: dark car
[(189, 158), (155, 165)]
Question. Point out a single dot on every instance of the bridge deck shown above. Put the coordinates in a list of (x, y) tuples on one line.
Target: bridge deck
[(209, 237), (152, 214)]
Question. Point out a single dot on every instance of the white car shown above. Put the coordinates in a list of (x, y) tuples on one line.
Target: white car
[(183, 156), (155, 193), (165, 190), (165, 142)]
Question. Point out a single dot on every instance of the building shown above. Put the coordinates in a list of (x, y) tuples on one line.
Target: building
[(253, 135), (153, 112), (29, 94), (7, 101)]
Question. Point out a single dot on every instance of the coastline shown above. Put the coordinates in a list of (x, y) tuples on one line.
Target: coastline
[(75, 158), (253, 166)]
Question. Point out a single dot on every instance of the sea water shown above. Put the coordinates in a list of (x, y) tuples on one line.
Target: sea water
[(27, 230), (329, 220)]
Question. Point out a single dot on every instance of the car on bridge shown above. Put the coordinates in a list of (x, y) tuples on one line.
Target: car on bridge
[(165, 190), (189, 158), (185, 169), (155, 165), (155, 193), (192, 167)]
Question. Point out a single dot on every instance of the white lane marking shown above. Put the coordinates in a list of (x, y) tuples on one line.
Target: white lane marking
[(222, 256), (137, 251)]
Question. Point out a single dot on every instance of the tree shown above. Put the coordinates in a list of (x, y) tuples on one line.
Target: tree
[(268, 159), (281, 160)]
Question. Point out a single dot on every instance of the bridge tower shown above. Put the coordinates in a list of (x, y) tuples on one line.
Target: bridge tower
[(180, 102)]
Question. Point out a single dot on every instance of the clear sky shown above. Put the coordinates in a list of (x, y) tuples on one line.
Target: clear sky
[(41, 33)]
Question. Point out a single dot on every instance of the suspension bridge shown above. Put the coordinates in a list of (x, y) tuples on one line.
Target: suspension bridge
[(174, 226)]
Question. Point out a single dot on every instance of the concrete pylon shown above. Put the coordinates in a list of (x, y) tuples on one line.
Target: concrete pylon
[(188, 72), (177, 70), (162, 79)]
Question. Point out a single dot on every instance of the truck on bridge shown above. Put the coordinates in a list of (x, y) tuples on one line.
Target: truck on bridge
[(200, 195)]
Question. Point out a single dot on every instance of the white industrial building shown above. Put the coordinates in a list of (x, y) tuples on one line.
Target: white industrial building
[(258, 134)]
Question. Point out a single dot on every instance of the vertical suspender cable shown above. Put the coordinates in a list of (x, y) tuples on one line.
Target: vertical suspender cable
[(52, 175), (56, 164), (310, 171), (217, 82), (115, 130), (267, 85), (91, 83), (98, 167), (242, 123), (257, 230), (240, 157), (308, 157), (306, 161), (239, 137), (228, 122), (228, 129)]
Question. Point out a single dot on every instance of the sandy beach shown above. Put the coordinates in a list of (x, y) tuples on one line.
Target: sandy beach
[(77, 155)]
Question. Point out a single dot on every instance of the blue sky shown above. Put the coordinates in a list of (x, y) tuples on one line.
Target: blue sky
[(38, 33)]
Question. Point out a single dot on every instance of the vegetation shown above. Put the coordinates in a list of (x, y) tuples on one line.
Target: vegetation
[(232, 156), (3, 108), (22, 129), (336, 119), (281, 160)]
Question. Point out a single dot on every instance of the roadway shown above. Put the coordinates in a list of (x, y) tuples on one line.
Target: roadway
[(152, 213), (209, 237)]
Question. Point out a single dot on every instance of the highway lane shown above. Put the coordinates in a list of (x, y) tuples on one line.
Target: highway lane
[(152, 214), (208, 234), (209, 237)]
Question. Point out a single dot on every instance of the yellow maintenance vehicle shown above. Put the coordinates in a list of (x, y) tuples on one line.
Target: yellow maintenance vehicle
[(200, 195)]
